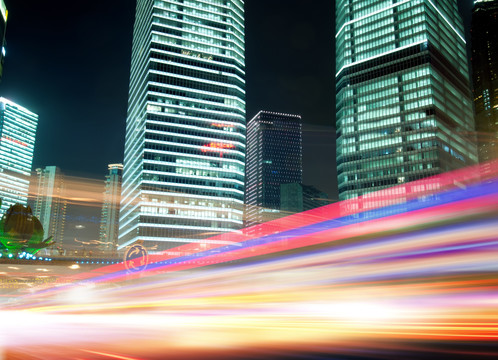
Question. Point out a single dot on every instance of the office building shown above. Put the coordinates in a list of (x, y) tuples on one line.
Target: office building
[(274, 157), (109, 219), (485, 76), (51, 202), (3, 28), (296, 198), (183, 175), (17, 142), (403, 102)]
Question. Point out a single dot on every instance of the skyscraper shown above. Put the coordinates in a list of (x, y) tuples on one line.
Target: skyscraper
[(50, 202), (17, 143), (485, 76), (274, 157), (403, 106), (183, 177), (109, 219)]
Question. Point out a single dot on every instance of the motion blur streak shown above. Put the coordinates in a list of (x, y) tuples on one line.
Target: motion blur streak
[(360, 209), (113, 356), (81, 191), (415, 278)]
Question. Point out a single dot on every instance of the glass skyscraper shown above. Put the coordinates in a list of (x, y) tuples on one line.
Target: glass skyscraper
[(17, 142), (274, 157), (183, 177), (403, 104)]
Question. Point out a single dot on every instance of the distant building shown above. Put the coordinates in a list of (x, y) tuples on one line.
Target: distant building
[(3, 28), (296, 198), (17, 142), (274, 157), (50, 202), (403, 100), (485, 76), (109, 220)]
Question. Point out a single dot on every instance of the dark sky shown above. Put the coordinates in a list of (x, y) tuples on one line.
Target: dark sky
[(69, 62)]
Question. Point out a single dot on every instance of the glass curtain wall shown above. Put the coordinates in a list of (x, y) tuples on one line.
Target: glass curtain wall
[(17, 142), (183, 177), (403, 105)]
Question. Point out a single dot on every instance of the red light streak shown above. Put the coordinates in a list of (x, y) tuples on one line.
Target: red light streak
[(410, 191), (424, 216), (418, 217)]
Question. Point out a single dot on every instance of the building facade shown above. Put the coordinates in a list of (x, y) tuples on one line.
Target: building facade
[(109, 219), (296, 198), (403, 104), (274, 157), (17, 142), (485, 76), (183, 177), (50, 203)]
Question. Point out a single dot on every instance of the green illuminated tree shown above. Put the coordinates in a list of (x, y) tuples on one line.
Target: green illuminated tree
[(20, 231)]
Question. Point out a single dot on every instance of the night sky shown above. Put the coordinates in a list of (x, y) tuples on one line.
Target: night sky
[(69, 62)]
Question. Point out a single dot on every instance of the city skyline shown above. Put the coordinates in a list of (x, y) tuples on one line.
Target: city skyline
[(93, 103), (285, 48), (285, 179)]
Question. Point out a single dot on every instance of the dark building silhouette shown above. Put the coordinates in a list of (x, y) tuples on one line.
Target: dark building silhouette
[(485, 76), (274, 157), (296, 198)]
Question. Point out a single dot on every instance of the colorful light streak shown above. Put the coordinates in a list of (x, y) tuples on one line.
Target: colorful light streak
[(417, 277)]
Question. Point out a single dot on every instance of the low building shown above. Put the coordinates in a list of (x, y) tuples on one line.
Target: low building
[(296, 198), (109, 220), (50, 203)]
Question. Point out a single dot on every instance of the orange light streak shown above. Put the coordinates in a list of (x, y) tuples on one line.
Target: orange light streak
[(113, 356)]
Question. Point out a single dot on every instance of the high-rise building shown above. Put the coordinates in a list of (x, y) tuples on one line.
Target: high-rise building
[(403, 105), (50, 202), (17, 143), (485, 76), (296, 198), (109, 220), (183, 177), (274, 157), (3, 28)]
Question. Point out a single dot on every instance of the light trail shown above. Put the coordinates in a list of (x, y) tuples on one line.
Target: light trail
[(419, 276), (418, 193)]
